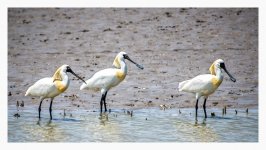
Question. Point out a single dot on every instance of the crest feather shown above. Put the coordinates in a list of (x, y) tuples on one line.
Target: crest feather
[(116, 62), (212, 69), (57, 75)]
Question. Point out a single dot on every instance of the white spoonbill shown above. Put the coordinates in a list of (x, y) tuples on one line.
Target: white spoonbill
[(104, 80), (204, 85), (52, 86)]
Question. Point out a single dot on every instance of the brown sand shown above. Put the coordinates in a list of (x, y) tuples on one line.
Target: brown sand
[(172, 44)]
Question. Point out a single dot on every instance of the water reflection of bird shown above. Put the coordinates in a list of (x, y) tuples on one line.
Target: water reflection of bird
[(52, 86), (22, 104), (205, 85), (130, 113), (16, 115), (106, 79)]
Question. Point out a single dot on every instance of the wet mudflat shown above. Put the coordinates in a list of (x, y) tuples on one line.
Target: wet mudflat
[(144, 125), (173, 45)]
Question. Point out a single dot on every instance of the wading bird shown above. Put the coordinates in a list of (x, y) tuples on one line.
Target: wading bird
[(50, 87), (204, 85), (104, 80)]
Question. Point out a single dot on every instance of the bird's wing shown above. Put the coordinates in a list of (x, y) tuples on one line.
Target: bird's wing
[(100, 79), (195, 84), (41, 88)]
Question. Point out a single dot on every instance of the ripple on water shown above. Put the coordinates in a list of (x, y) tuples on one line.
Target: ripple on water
[(146, 125)]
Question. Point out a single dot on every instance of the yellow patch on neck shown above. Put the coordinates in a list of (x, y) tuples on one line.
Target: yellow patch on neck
[(212, 69), (116, 63), (59, 86), (120, 75), (216, 82), (57, 75)]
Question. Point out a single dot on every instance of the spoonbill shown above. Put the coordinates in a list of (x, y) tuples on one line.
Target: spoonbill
[(204, 85), (104, 80), (50, 87)]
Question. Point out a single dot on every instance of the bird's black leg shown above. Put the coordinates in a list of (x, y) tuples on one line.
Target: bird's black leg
[(101, 103), (40, 108), (196, 107), (204, 107), (105, 109), (50, 109)]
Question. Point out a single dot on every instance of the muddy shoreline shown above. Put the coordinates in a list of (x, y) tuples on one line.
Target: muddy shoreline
[(172, 44)]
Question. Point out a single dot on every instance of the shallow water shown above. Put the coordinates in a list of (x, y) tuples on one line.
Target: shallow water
[(145, 125)]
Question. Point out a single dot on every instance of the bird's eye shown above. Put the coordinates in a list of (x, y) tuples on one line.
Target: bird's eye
[(68, 68), (125, 56), (222, 65)]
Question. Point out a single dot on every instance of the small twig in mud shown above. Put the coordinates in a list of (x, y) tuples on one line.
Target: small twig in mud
[(108, 29), (224, 110), (17, 105), (64, 113)]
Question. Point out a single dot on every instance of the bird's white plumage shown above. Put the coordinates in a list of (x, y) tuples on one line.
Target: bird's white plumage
[(201, 84), (103, 79), (206, 84), (52, 86), (43, 88)]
